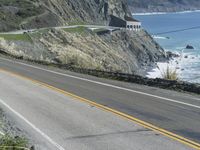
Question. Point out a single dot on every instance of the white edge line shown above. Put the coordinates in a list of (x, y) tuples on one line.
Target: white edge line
[(33, 126), (105, 84)]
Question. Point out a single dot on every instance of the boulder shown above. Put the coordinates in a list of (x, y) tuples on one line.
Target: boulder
[(189, 47)]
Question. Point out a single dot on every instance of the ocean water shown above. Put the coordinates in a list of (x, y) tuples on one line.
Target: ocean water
[(188, 64)]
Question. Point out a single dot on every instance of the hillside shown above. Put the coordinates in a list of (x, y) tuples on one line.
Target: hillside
[(25, 14), (80, 47), (142, 6), (123, 50)]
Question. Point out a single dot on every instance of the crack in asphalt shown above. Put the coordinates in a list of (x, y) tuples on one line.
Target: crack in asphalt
[(107, 134)]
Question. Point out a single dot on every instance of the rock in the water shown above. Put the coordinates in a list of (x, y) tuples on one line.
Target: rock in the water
[(189, 47), (186, 56), (171, 54)]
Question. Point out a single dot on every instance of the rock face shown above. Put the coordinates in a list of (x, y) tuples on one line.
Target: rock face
[(15, 14), (142, 6), (122, 51), (88, 10)]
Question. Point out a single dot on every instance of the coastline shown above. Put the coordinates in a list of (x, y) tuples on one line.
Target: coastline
[(188, 63), (163, 13), (161, 67), (176, 63)]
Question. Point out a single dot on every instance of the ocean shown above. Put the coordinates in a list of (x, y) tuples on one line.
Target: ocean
[(188, 64)]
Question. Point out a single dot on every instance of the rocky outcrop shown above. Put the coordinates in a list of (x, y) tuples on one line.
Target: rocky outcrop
[(88, 10), (122, 51), (189, 47), (143, 6), (25, 14)]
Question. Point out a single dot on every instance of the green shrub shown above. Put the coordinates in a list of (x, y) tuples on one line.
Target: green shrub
[(13, 143), (16, 37)]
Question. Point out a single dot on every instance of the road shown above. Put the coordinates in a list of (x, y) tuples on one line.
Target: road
[(62, 27), (81, 123)]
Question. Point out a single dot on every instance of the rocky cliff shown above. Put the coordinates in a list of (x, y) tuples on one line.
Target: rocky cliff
[(122, 51), (143, 6), (25, 14)]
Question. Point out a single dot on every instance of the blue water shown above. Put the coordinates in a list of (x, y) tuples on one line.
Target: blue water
[(176, 42)]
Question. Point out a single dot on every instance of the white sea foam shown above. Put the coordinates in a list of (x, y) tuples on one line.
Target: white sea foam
[(162, 13), (160, 37), (162, 67), (184, 65), (188, 64), (145, 14), (188, 11)]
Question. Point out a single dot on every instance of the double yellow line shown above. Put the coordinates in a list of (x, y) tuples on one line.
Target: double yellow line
[(169, 134)]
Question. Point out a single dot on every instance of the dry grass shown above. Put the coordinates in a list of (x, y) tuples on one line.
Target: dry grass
[(13, 143), (170, 74)]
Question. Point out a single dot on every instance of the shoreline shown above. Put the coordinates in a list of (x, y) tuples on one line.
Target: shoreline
[(175, 63), (161, 67), (164, 13), (188, 63)]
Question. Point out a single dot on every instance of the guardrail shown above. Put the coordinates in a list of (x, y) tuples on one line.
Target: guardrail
[(132, 78)]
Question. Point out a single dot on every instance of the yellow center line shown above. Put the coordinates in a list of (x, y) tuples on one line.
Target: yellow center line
[(147, 125)]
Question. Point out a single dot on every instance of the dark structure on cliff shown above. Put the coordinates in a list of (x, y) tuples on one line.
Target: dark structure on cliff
[(128, 23)]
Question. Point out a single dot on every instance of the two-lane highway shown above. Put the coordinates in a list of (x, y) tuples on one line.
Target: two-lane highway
[(175, 112)]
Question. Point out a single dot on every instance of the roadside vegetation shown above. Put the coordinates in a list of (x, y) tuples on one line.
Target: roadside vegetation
[(13, 143), (79, 29), (26, 37), (38, 33), (82, 29), (16, 37), (170, 74)]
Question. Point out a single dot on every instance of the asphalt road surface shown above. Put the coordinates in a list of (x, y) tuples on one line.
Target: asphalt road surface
[(61, 27), (70, 122)]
